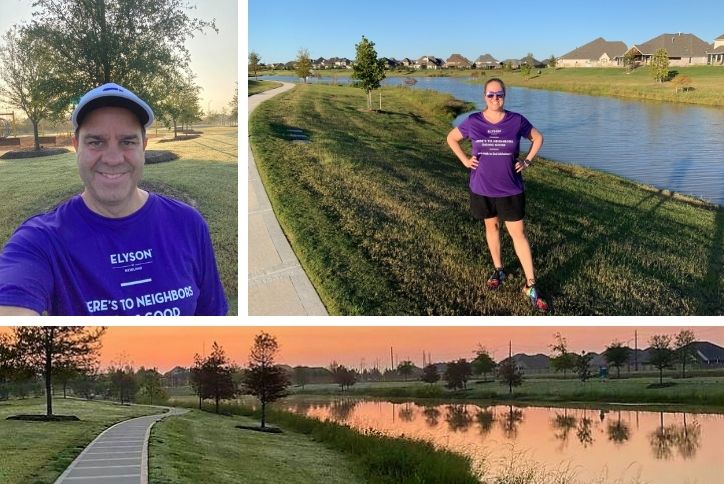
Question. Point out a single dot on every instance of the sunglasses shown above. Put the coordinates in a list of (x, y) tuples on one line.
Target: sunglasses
[(497, 95)]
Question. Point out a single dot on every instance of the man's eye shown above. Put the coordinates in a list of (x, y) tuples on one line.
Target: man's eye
[(129, 143), (94, 143)]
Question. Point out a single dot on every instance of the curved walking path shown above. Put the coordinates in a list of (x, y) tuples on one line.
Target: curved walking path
[(278, 286), (119, 455)]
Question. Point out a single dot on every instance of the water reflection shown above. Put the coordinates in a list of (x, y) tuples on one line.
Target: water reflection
[(624, 445)]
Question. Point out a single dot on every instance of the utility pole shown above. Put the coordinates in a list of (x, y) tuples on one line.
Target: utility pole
[(636, 350), (392, 360)]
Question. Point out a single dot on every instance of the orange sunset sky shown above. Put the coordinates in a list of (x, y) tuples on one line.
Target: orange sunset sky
[(166, 347)]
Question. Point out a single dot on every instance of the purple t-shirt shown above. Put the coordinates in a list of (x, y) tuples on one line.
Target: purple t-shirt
[(71, 261), (496, 146)]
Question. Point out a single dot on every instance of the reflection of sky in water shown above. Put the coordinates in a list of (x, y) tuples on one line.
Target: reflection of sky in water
[(671, 146), (619, 446)]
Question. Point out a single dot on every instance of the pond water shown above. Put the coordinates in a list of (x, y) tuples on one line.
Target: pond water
[(603, 446), (676, 147)]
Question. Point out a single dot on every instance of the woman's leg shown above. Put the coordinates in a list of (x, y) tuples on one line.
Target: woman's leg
[(492, 236), (522, 248)]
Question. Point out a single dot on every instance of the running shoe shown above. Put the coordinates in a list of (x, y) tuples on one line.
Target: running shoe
[(535, 299), (496, 280)]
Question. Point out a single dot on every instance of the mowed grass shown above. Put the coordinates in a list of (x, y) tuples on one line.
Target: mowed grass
[(205, 175), (38, 452), (376, 208), (706, 87), (204, 447), (696, 391), (255, 87)]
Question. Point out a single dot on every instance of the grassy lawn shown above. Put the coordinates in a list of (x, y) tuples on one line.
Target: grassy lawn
[(205, 447), (376, 208), (37, 452), (255, 87), (205, 175)]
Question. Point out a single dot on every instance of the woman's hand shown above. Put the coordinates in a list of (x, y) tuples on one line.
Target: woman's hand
[(471, 163)]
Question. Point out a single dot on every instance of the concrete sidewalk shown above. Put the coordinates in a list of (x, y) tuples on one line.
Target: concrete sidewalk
[(278, 285), (119, 455)]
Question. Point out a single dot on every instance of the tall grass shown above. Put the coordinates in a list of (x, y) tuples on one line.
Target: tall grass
[(376, 208), (382, 459)]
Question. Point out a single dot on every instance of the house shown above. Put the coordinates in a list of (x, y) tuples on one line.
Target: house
[(340, 62), (390, 63), (514, 63), (457, 61), (682, 49), (407, 62), (715, 56), (533, 62), (707, 354), (486, 61), (428, 62), (597, 53), (320, 63), (177, 377)]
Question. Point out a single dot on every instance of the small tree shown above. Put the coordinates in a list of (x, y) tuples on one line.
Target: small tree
[(561, 359), (483, 363), (150, 390), (616, 355), (303, 66), (368, 68), (660, 65), (215, 377), (509, 374), (552, 61), (405, 368), (681, 82), (342, 376), (683, 348), (430, 374), (300, 376), (234, 106), (265, 380), (527, 65), (629, 61), (458, 373), (123, 383), (661, 353), (254, 60), (583, 366)]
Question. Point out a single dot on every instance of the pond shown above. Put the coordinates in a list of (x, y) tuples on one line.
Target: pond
[(676, 147), (626, 445)]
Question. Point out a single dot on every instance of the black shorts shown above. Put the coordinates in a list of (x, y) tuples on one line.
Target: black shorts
[(507, 209)]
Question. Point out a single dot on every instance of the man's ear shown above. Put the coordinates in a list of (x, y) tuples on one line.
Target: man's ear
[(74, 140)]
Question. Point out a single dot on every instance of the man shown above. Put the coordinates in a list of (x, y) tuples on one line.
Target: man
[(115, 249)]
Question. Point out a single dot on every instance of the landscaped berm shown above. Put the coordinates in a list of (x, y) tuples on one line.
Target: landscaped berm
[(376, 208), (203, 175)]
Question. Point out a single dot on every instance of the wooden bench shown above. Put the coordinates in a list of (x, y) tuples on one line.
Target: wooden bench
[(9, 141)]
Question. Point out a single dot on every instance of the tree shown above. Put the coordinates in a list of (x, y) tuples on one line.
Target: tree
[(583, 366), (661, 354), (368, 68), (681, 82), (483, 363), (254, 60), (303, 65), (509, 374), (683, 348), (342, 376), (150, 390), (616, 354), (552, 61), (405, 368), (457, 374), (234, 106), (215, 377), (430, 374), (660, 65), (265, 380), (629, 61), (44, 348), (180, 104), (128, 42), (561, 359), (526, 65), (23, 71), (300, 376), (123, 383)]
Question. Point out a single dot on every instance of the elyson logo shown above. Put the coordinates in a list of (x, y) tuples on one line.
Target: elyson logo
[(135, 256)]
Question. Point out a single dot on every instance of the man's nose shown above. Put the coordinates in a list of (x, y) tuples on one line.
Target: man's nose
[(113, 155)]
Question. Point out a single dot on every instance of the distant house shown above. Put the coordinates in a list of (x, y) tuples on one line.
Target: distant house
[(533, 62), (457, 61), (514, 63), (390, 63), (407, 62), (682, 49), (708, 354), (715, 56), (320, 63), (428, 62), (340, 63), (597, 53), (486, 61)]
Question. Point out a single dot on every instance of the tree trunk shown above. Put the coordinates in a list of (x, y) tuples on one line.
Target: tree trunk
[(683, 367), (263, 414), (199, 402), (48, 368), (661, 376), (35, 135), (216, 398), (174, 129)]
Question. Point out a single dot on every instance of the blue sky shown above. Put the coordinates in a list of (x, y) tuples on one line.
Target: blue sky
[(404, 28)]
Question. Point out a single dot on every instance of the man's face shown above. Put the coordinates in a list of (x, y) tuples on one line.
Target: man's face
[(110, 150)]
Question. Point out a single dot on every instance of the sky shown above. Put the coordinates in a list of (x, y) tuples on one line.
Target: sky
[(214, 57), (166, 347), (413, 28)]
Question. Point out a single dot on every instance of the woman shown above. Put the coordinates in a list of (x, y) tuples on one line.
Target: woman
[(496, 183)]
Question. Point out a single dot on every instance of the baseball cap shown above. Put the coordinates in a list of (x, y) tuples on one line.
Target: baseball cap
[(112, 95)]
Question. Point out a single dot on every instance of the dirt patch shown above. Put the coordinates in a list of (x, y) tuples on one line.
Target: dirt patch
[(31, 153), (268, 430), (44, 418), (159, 156)]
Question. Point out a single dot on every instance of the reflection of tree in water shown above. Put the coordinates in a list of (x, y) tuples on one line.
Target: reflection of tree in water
[(342, 409), (407, 413), (485, 418), (685, 438), (618, 431), (510, 421), (584, 431), (432, 416), (562, 425), (458, 418)]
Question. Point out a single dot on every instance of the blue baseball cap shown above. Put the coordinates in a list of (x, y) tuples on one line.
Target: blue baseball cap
[(112, 95)]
